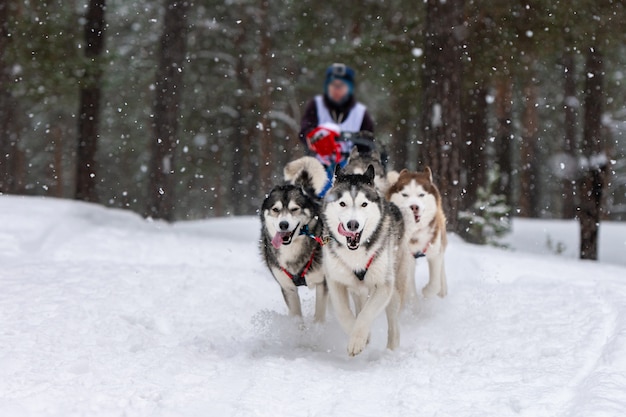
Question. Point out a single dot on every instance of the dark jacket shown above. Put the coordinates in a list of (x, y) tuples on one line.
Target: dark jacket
[(338, 113)]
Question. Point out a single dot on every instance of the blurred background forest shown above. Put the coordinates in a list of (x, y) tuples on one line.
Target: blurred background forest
[(186, 110)]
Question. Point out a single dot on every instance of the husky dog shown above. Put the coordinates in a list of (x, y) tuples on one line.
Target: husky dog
[(425, 224), (291, 229), (361, 256), (307, 164), (358, 163)]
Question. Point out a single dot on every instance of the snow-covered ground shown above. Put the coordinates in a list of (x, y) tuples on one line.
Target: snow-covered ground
[(562, 237), (103, 313)]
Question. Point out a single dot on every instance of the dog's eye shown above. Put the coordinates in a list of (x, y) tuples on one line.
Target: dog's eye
[(422, 195), (342, 204), (275, 210), (364, 204), (294, 209), (405, 195)]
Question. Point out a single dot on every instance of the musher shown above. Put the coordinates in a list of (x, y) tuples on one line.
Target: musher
[(335, 122)]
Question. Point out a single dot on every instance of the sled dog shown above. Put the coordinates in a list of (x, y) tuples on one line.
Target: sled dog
[(291, 229), (425, 225), (358, 163), (361, 256)]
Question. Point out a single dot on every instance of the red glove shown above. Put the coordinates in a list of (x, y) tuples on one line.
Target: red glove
[(322, 139)]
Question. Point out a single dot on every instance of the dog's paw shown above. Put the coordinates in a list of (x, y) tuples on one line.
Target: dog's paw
[(443, 292), (302, 326), (429, 291), (392, 344), (358, 341), (393, 338), (319, 317)]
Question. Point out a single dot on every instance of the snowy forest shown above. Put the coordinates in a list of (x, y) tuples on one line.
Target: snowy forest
[(187, 110), (139, 140)]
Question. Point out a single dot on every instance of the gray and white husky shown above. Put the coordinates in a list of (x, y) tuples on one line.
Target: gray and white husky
[(362, 259), (358, 163), (291, 229)]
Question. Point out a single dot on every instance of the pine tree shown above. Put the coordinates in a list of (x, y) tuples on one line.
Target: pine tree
[(489, 217), (169, 85), (441, 111), (89, 112), (594, 159)]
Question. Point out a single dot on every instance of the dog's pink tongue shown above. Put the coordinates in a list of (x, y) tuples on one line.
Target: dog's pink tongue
[(342, 231), (277, 240)]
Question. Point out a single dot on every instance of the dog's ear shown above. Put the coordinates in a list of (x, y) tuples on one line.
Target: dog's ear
[(354, 152), (370, 173), (404, 172), (337, 170), (376, 155), (428, 172), (393, 177)]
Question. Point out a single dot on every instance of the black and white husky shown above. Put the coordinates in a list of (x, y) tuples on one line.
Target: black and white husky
[(291, 230), (362, 258)]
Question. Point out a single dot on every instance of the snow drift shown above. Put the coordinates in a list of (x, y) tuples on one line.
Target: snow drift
[(103, 313)]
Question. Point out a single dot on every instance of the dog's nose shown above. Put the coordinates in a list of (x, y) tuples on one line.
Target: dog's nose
[(353, 225), (415, 208), (284, 225)]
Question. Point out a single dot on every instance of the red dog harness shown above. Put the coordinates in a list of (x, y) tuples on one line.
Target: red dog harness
[(421, 254), (361, 274), (299, 279)]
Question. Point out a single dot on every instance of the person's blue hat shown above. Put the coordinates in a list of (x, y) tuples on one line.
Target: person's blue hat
[(340, 72)]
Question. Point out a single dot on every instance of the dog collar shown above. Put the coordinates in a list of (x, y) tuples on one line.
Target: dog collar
[(322, 240)]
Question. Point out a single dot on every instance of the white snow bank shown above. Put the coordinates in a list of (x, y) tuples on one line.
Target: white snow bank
[(562, 237), (105, 314)]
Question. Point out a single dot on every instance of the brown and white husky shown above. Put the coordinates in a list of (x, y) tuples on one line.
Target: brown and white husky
[(425, 225)]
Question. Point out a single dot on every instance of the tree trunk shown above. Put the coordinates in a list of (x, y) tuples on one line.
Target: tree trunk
[(169, 85), (441, 114), (569, 139), (89, 111), (8, 119), (474, 156), (592, 181), (242, 186), (265, 102), (399, 152), (56, 139), (504, 136), (528, 198)]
